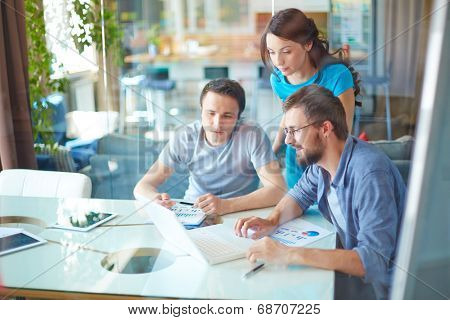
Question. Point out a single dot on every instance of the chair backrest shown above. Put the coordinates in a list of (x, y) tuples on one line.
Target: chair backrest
[(399, 151), (61, 156), (35, 183)]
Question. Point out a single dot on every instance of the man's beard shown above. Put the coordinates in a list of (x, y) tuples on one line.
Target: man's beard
[(311, 156)]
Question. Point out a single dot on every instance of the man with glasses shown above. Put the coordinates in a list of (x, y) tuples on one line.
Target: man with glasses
[(226, 158), (357, 188)]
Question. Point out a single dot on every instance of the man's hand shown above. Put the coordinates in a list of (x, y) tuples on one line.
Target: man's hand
[(210, 204), (164, 200), (261, 227), (269, 251)]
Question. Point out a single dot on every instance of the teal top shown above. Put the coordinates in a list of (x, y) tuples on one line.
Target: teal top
[(335, 77)]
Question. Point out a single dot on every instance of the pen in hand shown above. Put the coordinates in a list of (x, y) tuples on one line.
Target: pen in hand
[(253, 271), (186, 203)]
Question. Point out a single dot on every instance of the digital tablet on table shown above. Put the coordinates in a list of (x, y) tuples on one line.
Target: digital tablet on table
[(84, 222), (14, 239)]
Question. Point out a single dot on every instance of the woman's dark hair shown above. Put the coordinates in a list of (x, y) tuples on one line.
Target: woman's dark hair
[(228, 88), (292, 24)]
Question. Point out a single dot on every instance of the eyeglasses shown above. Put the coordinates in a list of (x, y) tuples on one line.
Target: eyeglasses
[(292, 132)]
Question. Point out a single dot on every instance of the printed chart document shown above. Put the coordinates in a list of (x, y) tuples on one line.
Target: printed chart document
[(298, 233)]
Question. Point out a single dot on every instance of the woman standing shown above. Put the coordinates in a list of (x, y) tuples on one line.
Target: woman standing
[(297, 56)]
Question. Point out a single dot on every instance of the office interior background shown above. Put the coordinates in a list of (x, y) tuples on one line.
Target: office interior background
[(121, 102), (110, 81)]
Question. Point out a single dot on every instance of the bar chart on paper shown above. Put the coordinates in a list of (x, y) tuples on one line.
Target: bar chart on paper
[(298, 233)]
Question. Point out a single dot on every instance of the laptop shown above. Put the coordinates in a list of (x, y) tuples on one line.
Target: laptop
[(213, 244)]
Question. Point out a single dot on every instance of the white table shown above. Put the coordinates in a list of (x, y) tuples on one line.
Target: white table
[(69, 265)]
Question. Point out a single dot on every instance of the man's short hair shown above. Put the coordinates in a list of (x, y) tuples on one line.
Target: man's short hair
[(226, 87), (319, 105)]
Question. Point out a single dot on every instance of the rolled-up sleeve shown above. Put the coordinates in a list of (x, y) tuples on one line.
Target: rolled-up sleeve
[(378, 224), (305, 191)]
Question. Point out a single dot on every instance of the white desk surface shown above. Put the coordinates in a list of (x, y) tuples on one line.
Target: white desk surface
[(69, 264)]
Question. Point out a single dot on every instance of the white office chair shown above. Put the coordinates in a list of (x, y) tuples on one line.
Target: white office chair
[(35, 183)]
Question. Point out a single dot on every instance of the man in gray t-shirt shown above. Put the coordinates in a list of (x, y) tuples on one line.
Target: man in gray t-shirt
[(225, 156)]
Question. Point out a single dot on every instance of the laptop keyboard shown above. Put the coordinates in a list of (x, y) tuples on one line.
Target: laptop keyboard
[(213, 246)]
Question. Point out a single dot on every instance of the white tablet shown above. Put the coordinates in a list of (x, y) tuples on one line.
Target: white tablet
[(13, 239), (84, 222)]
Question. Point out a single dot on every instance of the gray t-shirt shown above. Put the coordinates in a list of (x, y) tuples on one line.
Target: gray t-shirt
[(226, 171)]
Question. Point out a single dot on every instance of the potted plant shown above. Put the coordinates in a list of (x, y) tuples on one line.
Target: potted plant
[(86, 24), (154, 40), (41, 82)]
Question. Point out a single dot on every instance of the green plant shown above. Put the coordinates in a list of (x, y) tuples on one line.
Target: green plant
[(41, 84), (153, 35), (86, 24)]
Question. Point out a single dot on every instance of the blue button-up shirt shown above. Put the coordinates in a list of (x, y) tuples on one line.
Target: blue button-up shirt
[(371, 194)]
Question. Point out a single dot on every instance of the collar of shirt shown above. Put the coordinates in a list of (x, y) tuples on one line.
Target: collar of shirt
[(339, 178)]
